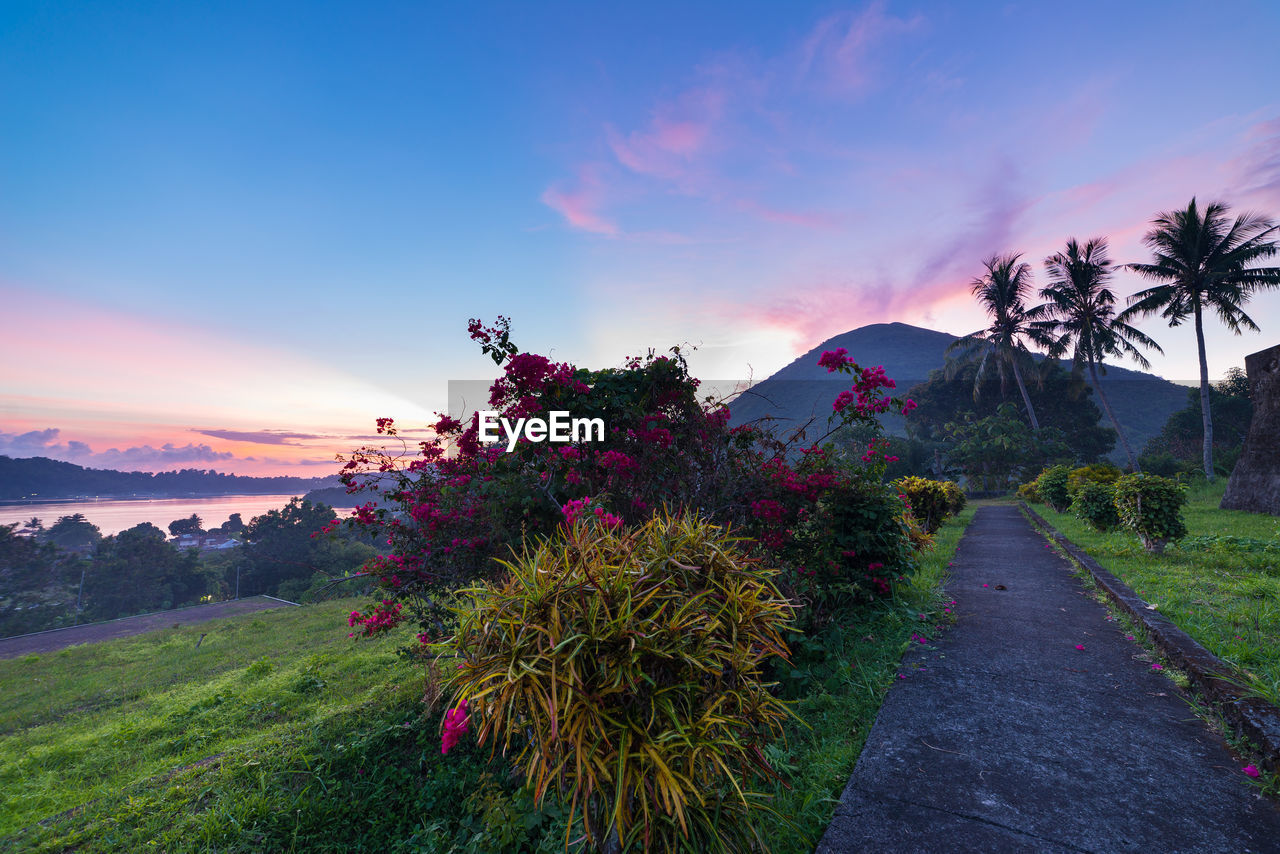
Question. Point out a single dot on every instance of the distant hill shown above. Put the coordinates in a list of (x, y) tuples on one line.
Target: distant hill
[(802, 391), (40, 478)]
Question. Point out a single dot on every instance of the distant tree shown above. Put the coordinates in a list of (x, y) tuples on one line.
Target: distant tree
[(34, 578), (74, 533), (193, 525), (1182, 437), (994, 451), (234, 525), (1204, 262), (33, 527), (1079, 318), (280, 546), (139, 570), (1060, 402), (1001, 347)]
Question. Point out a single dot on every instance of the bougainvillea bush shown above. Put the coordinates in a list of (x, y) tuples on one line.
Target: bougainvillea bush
[(447, 508)]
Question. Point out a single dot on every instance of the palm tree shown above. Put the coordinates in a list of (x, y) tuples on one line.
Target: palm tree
[(1203, 262), (1002, 291), (1079, 317)]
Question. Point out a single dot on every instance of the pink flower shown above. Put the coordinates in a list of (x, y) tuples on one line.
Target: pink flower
[(1250, 771), (1080, 647), (455, 726), (984, 585), (1157, 667)]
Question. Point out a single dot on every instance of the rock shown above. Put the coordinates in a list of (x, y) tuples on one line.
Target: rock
[(1255, 481)]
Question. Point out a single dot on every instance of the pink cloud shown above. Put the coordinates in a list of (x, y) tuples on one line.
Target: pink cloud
[(580, 206), (679, 131), (837, 54)]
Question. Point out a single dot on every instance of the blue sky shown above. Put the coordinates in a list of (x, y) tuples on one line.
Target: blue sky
[(256, 219)]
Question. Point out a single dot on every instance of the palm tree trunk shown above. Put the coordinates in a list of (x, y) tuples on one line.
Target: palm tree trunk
[(1124, 443), (1205, 417), (1026, 398)]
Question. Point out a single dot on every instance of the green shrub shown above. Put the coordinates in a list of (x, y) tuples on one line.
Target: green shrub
[(1030, 492), (1052, 486), (1095, 503), (955, 495), (1151, 507), (848, 550), (624, 667), (929, 501), (1096, 473)]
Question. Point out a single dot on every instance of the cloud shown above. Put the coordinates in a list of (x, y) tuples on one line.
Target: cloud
[(679, 131), (726, 139), (260, 437), (45, 443), (838, 55), (580, 204)]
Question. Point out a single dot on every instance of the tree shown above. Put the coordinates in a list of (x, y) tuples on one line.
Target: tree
[(234, 525), (993, 450), (73, 533), (193, 525), (139, 570), (1059, 400), (1002, 291), (1205, 262), (1181, 441), (1079, 317)]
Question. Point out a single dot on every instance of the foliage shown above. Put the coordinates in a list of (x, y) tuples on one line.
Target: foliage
[(1079, 318), (1151, 507), (446, 516), (1002, 291), (35, 581), (930, 501), (72, 533), (1095, 502), (848, 548), (1000, 448), (139, 570), (1203, 261), (1096, 473), (1051, 486), (192, 525), (955, 497), (1180, 445), (625, 669), (1030, 491), (305, 773), (285, 547), (1060, 401)]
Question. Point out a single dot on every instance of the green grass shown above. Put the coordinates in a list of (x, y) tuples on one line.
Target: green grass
[(820, 754), (1221, 585), (315, 742), (85, 722)]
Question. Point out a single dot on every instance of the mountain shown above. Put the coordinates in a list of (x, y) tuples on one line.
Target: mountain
[(802, 391), (40, 479)]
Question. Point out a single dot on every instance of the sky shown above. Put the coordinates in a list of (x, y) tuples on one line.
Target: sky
[(234, 234)]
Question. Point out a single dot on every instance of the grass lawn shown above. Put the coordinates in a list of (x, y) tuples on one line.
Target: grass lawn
[(281, 734), (1221, 584)]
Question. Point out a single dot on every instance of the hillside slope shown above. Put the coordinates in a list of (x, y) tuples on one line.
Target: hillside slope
[(802, 391)]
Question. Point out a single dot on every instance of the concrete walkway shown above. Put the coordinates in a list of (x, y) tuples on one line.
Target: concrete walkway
[(1006, 737)]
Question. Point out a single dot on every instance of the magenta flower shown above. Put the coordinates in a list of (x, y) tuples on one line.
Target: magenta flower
[(1157, 667), (1080, 647), (1250, 771), (455, 726)]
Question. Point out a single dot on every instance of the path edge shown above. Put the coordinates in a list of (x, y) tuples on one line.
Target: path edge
[(1253, 718)]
